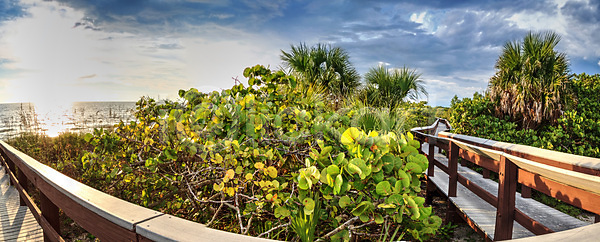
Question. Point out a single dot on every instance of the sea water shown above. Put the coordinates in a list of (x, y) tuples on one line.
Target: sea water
[(17, 118)]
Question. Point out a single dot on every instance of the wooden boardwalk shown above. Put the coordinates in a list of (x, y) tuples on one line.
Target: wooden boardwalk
[(483, 214), (16, 222)]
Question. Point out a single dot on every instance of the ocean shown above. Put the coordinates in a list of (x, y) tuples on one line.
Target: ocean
[(17, 118)]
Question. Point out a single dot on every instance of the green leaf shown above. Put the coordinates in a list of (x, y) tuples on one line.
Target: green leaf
[(378, 218), (353, 169), (87, 137), (414, 168), (364, 218), (282, 212), (395, 199), (362, 207), (388, 162), (403, 178), (413, 208), (309, 205), (333, 170), (383, 188), (344, 201), (338, 184)]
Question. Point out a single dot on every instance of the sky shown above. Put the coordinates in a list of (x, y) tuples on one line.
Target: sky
[(111, 50)]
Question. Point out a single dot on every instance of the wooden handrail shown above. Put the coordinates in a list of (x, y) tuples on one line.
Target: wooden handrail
[(571, 178), (106, 217)]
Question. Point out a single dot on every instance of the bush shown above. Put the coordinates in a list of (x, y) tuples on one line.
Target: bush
[(263, 160)]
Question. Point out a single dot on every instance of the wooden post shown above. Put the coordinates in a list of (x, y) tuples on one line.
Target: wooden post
[(452, 214), (596, 218), (50, 213), (430, 170), (431, 156), (431, 190), (525, 191), (24, 184), (10, 166), (507, 187), (486, 173), (452, 169)]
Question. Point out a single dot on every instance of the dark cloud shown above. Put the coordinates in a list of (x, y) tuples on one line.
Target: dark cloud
[(583, 12)]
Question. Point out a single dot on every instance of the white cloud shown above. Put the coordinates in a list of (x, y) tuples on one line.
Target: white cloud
[(62, 63), (426, 19), (418, 17)]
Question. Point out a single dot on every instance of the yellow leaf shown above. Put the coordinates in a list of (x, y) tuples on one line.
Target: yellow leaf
[(271, 171), (218, 158), (229, 174), (180, 127), (350, 135), (230, 191), (259, 165), (255, 153), (218, 187), (249, 176)]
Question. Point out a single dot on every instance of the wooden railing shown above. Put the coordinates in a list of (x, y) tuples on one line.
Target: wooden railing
[(570, 178), (106, 217)]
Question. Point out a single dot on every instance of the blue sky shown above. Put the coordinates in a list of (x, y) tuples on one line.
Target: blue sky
[(78, 50)]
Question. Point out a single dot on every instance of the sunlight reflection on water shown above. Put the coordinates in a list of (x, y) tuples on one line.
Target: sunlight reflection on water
[(53, 119)]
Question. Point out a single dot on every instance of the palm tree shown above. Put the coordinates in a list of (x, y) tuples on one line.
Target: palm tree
[(531, 82), (323, 65), (390, 87)]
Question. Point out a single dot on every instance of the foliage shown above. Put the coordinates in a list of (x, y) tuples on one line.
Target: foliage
[(240, 159), (390, 87), (62, 152), (531, 82), (324, 65), (577, 131)]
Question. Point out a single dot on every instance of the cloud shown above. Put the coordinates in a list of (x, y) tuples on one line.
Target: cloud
[(158, 46)]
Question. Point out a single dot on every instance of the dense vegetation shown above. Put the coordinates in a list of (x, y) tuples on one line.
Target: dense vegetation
[(271, 160), (576, 131)]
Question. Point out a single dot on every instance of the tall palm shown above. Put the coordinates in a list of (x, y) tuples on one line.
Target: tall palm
[(390, 87), (324, 65), (531, 82)]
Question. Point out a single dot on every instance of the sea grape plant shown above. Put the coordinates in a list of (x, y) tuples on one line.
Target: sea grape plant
[(263, 160)]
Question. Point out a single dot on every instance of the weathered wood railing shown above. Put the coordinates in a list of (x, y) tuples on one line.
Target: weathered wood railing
[(570, 178), (104, 216)]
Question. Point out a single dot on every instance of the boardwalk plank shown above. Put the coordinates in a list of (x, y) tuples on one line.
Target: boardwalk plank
[(16, 222)]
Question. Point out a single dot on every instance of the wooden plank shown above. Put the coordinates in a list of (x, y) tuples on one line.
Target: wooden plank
[(16, 222), (587, 165), (170, 228), (585, 233), (576, 179), (572, 195)]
